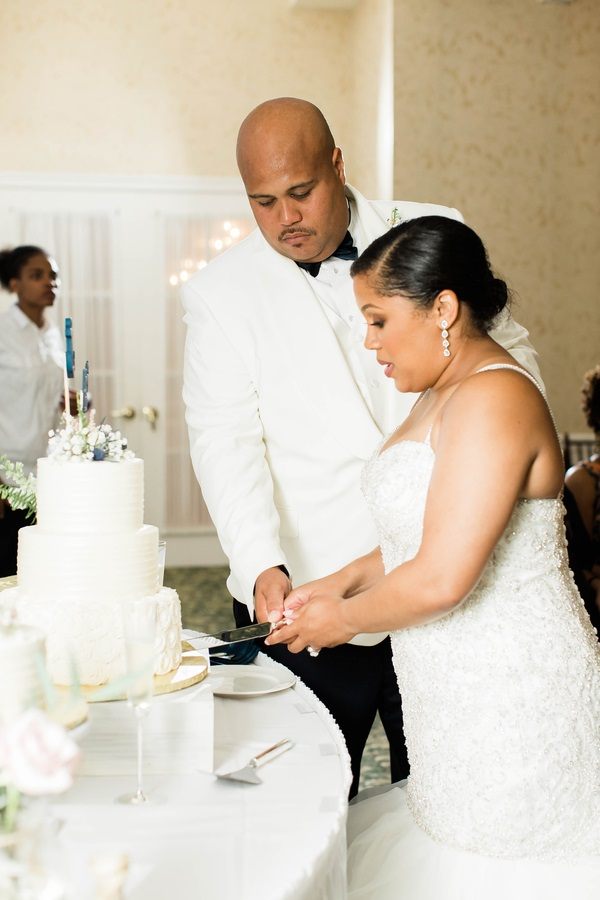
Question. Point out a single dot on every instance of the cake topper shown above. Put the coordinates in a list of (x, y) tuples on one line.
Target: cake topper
[(82, 438), (85, 397), (70, 353), (69, 367)]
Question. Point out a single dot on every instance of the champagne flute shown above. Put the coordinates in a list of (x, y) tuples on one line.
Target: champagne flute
[(139, 621)]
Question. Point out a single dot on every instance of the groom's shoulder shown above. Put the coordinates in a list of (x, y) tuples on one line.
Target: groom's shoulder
[(227, 272), (231, 262)]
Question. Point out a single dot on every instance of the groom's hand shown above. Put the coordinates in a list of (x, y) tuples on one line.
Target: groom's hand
[(271, 588)]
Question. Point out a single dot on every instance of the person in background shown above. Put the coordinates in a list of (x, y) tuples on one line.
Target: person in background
[(582, 502), (31, 374), (284, 404)]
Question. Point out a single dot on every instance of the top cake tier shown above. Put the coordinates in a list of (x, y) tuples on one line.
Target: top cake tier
[(90, 497)]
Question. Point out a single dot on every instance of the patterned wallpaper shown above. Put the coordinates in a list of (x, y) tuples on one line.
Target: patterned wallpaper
[(497, 112), (160, 87)]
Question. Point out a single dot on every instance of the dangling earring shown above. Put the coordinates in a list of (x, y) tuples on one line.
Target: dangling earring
[(445, 341)]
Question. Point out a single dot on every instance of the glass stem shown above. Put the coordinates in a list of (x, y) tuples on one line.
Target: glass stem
[(139, 712)]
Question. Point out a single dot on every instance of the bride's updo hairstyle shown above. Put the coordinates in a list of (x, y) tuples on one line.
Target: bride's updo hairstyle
[(422, 257)]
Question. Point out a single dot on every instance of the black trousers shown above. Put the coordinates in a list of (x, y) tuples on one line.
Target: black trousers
[(10, 522), (354, 683)]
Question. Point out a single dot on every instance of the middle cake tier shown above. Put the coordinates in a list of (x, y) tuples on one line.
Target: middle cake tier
[(71, 567)]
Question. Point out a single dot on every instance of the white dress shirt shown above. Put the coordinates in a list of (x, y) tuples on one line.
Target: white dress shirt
[(31, 384)]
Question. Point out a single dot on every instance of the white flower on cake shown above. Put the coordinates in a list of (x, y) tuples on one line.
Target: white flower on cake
[(81, 438)]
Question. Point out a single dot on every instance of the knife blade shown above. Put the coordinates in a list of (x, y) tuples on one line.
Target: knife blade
[(231, 636)]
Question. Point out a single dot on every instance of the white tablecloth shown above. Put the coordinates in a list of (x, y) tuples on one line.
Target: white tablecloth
[(281, 840)]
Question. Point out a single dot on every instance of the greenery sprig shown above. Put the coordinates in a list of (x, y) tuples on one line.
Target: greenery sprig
[(20, 493)]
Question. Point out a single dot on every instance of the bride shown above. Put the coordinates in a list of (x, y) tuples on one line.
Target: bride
[(496, 659)]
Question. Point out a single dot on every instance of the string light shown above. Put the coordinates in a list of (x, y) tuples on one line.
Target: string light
[(232, 234)]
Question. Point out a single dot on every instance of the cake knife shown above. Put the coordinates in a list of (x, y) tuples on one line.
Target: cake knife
[(231, 636)]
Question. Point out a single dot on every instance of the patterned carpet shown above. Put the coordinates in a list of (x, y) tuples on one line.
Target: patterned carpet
[(206, 606)]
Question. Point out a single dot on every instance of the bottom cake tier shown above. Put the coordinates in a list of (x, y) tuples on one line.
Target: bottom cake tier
[(84, 639)]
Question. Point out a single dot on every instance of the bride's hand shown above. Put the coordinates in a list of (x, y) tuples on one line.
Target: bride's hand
[(301, 595), (314, 620)]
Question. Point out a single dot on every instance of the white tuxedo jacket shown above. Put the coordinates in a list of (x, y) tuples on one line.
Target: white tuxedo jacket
[(279, 431)]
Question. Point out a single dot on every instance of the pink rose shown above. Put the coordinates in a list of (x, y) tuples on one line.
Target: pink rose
[(36, 755)]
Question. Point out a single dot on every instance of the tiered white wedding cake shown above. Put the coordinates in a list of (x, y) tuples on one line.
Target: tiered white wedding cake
[(89, 554)]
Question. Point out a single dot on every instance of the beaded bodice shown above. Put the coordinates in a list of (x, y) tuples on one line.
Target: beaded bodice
[(501, 697)]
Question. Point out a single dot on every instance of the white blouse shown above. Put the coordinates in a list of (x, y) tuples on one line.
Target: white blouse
[(31, 384)]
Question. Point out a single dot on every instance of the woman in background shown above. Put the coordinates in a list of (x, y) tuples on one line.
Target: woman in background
[(31, 374), (582, 502)]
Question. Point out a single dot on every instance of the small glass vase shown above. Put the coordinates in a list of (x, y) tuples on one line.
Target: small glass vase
[(29, 857)]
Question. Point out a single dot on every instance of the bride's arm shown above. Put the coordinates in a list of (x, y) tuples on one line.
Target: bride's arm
[(357, 576), (495, 443)]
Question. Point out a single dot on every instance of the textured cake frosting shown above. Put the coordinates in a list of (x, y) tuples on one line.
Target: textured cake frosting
[(89, 554), (84, 497)]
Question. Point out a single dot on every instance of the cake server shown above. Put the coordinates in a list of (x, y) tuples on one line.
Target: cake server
[(248, 772)]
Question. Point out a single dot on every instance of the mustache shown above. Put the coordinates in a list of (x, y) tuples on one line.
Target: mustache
[(288, 231)]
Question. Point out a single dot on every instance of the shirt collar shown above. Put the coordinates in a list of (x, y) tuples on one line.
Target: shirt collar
[(24, 321)]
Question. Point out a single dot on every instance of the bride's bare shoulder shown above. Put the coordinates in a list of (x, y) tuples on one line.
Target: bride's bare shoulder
[(498, 393)]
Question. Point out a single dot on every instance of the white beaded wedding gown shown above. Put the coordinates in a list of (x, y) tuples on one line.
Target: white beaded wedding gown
[(501, 704)]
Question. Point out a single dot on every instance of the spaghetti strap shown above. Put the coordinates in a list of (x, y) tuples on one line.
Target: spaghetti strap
[(524, 372), (528, 375)]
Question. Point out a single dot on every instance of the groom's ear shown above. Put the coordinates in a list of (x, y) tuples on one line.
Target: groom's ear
[(446, 307)]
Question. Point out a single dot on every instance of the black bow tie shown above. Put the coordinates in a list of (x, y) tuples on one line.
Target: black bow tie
[(346, 250)]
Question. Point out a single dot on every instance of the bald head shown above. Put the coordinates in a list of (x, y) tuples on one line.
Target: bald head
[(276, 126), (294, 178)]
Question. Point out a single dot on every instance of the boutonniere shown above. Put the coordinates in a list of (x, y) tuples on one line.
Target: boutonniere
[(395, 218)]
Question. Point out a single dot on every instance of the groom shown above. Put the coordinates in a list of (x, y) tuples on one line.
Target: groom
[(285, 405)]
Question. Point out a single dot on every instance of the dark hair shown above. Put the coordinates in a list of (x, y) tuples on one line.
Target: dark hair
[(12, 261), (590, 399), (424, 256)]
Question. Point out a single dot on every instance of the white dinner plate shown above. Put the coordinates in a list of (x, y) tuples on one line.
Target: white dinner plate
[(248, 681)]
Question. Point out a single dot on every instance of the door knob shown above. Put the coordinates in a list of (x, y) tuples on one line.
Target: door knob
[(151, 414), (127, 412)]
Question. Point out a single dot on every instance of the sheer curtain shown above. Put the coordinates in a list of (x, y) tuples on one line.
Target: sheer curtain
[(190, 243), (82, 246), (124, 246)]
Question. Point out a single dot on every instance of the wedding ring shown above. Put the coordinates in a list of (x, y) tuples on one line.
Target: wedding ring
[(313, 650)]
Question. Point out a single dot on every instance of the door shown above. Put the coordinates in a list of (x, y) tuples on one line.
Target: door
[(124, 247)]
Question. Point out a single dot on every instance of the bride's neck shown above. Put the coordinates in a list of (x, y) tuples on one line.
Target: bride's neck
[(467, 356)]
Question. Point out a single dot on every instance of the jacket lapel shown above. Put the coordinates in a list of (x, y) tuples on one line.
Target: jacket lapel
[(367, 223), (307, 335)]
